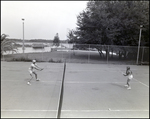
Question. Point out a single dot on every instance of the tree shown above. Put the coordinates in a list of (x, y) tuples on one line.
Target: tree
[(131, 14), (71, 36), (113, 23), (7, 44), (56, 40)]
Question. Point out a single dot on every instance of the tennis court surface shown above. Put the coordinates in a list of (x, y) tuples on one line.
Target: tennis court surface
[(89, 90)]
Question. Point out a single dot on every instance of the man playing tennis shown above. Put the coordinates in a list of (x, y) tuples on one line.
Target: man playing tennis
[(130, 77), (32, 68)]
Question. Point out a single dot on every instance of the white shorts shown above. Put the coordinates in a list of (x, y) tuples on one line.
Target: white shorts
[(130, 77), (30, 71)]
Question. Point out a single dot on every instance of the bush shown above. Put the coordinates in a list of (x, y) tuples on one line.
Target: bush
[(22, 59), (58, 61)]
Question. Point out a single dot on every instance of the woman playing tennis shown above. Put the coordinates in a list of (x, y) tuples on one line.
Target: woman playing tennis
[(130, 77), (32, 68)]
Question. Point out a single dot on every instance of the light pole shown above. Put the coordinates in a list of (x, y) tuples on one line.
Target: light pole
[(23, 35), (139, 44), (67, 34)]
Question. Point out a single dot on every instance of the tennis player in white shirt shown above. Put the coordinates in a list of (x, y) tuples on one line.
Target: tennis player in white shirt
[(32, 68)]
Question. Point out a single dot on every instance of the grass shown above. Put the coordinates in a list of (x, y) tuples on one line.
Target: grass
[(21, 59), (53, 61), (61, 56), (39, 57)]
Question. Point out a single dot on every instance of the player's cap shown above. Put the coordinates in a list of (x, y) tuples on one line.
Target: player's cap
[(33, 61)]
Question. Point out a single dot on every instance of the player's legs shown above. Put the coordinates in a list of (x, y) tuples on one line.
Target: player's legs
[(36, 76), (31, 74), (29, 82), (128, 83)]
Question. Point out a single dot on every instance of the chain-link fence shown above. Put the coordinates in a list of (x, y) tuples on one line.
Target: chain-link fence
[(107, 54), (83, 53)]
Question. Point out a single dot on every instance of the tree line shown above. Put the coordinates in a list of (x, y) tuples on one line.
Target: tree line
[(112, 23)]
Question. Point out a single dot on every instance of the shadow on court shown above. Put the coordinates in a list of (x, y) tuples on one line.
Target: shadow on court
[(118, 85)]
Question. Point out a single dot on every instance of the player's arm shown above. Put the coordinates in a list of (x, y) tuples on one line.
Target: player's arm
[(37, 67), (126, 74), (34, 66)]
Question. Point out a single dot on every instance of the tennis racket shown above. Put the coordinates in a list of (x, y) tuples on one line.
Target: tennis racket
[(44, 67), (123, 73)]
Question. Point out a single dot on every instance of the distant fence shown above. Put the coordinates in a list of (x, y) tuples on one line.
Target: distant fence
[(108, 54), (83, 53)]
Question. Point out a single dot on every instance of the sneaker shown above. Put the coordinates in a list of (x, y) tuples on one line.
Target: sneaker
[(126, 85), (37, 79), (129, 88), (28, 83)]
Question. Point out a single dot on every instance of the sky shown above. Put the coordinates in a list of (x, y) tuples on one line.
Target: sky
[(42, 19)]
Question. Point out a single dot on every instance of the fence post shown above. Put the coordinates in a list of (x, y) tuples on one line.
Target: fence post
[(70, 51), (50, 48), (142, 54), (42, 53), (107, 54), (139, 44), (89, 54)]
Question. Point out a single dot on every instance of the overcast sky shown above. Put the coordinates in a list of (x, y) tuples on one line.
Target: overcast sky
[(43, 19)]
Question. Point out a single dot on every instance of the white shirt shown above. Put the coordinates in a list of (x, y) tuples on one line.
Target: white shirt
[(32, 66)]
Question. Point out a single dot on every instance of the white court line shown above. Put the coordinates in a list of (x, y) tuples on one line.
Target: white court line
[(103, 110), (75, 110), (80, 71), (10, 80), (97, 82), (110, 82), (141, 82), (27, 110), (137, 80), (83, 82), (99, 70), (23, 81)]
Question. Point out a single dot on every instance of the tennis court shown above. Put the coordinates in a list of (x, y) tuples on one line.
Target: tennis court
[(89, 90)]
